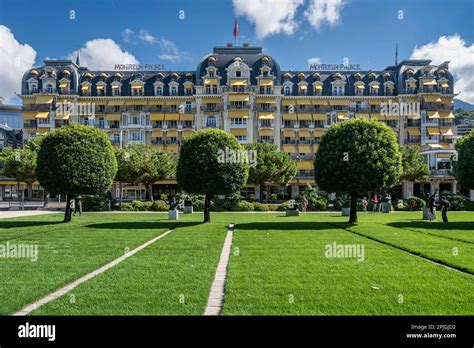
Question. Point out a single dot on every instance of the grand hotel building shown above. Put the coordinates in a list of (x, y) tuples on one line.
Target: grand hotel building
[(244, 92)]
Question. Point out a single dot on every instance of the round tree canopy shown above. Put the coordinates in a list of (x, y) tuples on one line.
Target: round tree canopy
[(76, 160), (210, 162), (358, 156), (464, 167)]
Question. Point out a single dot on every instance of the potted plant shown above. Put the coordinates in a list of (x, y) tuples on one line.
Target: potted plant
[(292, 209)]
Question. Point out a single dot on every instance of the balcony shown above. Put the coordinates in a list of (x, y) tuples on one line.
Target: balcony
[(270, 141), (288, 142), (216, 108), (238, 107), (31, 124), (413, 141), (238, 125), (157, 142), (265, 108), (441, 172)]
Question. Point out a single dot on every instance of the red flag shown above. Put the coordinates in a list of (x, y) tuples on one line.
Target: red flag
[(236, 29)]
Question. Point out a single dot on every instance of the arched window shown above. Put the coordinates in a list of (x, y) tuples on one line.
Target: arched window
[(159, 90), (174, 90), (287, 90), (238, 73), (49, 88)]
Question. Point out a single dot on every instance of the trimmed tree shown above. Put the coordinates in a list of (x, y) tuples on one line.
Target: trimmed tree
[(414, 165), (76, 160), (272, 166), (464, 167), (357, 156), (141, 164), (210, 164), (21, 163)]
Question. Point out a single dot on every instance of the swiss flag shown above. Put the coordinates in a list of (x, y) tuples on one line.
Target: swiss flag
[(236, 29)]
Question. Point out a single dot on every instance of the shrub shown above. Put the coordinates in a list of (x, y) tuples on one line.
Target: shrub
[(273, 197), (243, 206), (159, 206), (260, 206), (164, 197), (458, 202), (252, 197), (217, 205), (318, 204), (198, 202), (95, 203), (414, 203), (271, 207), (340, 202), (284, 206), (470, 205)]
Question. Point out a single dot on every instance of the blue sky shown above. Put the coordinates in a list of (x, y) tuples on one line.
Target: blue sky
[(365, 31)]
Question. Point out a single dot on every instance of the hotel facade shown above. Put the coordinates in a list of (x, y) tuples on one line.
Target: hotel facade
[(244, 92)]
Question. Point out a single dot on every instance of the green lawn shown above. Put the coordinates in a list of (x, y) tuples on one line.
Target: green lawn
[(277, 267)]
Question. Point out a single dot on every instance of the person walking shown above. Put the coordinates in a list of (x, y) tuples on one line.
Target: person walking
[(445, 205), (304, 203), (374, 201), (78, 205), (379, 205), (365, 203), (432, 206)]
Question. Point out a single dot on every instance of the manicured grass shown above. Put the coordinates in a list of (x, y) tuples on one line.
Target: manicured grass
[(171, 277), (281, 269), (277, 267), (66, 251)]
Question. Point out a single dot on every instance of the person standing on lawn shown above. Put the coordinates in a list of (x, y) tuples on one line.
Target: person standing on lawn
[(379, 205), (78, 205), (445, 205), (304, 203), (374, 201), (365, 203), (432, 206)]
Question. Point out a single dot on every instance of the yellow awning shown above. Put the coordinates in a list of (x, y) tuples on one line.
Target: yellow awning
[(29, 115), (392, 117), (63, 84), (318, 87), (411, 84), (445, 114), (319, 116), (318, 133), (100, 87), (157, 116), (172, 117), (304, 133), (287, 102), (42, 130), (114, 117), (114, 102), (266, 115), (375, 86), (342, 117), (444, 155), (444, 85), (319, 101), (447, 100), (432, 130), (377, 116), (337, 102), (435, 146), (304, 148), (85, 87), (42, 115), (414, 131), (265, 132), (137, 86), (432, 114), (289, 148), (360, 86), (410, 99), (171, 133), (186, 132), (375, 101), (238, 131), (303, 101), (173, 148), (44, 99), (289, 117), (238, 82), (431, 99), (136, 102), (211, 81), (304, 117), (429, 82), (238, 97), (156, 101), (303, 87), (447, 131), (157, 134), (362, 115), (211, 100), (101, 101), (265, 82), (62, 117), (288, 133), (239, 113), (269, 100), (187, 117), (306, 165)]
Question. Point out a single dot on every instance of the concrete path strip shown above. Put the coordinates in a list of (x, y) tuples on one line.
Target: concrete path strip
[(64, 290), (23, 213), (216, 296)]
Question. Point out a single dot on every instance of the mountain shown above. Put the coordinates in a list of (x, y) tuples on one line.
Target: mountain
[(459, 104)]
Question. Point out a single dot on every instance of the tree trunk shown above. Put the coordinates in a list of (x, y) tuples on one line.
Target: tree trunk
[(150, 192), (353, 212), (207, 207), (68, 212)]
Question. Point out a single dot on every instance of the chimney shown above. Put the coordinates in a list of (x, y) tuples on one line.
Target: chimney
[(229, 44), (246, 44)]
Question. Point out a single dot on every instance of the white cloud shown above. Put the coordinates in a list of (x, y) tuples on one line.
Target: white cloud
[(127, 35), (146, 36), (320, 11), (460, 54), (171, 53), (103, 54), (15, 59), (313, 61), (269, 16)]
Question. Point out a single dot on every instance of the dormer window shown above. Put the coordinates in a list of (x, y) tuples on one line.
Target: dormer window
[(359, 89), (116, 90), (211, 73), (33, 88), (238, 73), (287, 90), (174, 90), (158, 90), (49, 88)]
